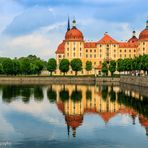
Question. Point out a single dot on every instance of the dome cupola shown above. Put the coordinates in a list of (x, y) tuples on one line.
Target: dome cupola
[(133, 39), (74, 34), (144, 34)]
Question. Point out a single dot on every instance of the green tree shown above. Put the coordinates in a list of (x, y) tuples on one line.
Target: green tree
[(144, 63), (64, 65), (16, 67), (120, 67), (7, 66), (1, 68), (76, 65), (112, 67), (105, 68), (25, 66), (52, 65), (88, 66)]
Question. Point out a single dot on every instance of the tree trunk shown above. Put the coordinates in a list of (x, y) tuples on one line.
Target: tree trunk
[(76, 73)]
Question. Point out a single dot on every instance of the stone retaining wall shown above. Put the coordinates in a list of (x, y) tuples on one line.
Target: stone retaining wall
[(47, 80), (135, 80), (139, 81)]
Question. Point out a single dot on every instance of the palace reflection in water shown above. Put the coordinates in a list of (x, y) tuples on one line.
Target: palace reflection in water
[(75, 101)]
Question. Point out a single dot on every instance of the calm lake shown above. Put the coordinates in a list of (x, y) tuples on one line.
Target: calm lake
[(82, 116)]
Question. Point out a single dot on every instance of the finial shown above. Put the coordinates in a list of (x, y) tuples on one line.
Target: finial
[(105, 33), (147, 23), (74, 23), (134, 33), (74, 132)]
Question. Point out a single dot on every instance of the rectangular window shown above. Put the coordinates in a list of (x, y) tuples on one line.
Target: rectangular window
[(94, 55)]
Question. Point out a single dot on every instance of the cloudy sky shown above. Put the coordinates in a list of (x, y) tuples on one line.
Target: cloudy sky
[(38, 26)]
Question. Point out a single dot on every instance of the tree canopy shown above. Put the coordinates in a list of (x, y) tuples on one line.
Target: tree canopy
[(76, 65)]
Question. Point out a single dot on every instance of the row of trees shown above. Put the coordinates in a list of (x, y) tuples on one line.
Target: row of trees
[(126, 65), (65, 64), (24, 65), (34, 65)]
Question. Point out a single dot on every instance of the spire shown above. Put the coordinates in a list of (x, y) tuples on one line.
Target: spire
[(68, 129), (68, 25), (74, 23)]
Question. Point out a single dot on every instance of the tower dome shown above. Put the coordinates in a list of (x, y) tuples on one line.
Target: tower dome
[(74, 34), (133, 39), (144, 34)]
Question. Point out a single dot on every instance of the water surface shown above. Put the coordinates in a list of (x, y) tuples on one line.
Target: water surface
[(73, 116)]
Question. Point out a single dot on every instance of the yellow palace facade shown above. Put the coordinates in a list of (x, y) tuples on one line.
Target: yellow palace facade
[(105, 49)]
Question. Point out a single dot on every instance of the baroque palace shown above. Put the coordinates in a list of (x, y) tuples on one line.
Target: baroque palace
[(106, 49)]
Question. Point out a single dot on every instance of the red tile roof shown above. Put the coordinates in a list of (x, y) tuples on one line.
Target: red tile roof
[(61, 48), (128, 45), (107, 40), (74, 35), (90, 45), (106, 116), (133, 40)]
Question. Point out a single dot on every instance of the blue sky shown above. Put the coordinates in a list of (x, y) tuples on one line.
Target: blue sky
[(38, 26)]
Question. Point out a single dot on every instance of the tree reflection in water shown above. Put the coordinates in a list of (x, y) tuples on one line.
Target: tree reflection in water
[(51, 93)]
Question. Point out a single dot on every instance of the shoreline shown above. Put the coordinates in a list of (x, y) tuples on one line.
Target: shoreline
[(86, 80)]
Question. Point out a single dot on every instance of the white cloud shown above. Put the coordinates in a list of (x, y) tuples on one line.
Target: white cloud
[(42, 42)]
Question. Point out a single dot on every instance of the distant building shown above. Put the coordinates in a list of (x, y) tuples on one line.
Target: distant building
[(106, 49)]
